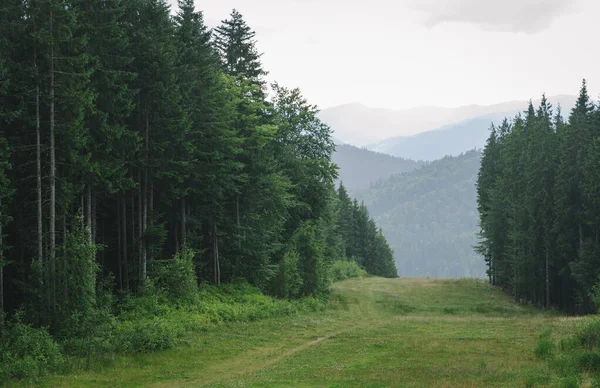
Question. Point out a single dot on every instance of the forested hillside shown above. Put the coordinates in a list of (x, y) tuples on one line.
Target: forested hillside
[(359, 167), (140, 150), (429, 217), (538, 198)]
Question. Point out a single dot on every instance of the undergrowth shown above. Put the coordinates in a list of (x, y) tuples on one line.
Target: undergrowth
[(576, 359), (171, 306)]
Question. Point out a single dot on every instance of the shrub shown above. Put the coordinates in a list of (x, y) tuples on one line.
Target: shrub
[(287, 281), (544, 349), (177, 277), (345, 269), (588, 361), (146, 334), (27, 352), (589, 336)]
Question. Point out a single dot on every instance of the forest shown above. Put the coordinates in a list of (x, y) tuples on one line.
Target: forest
[(429, 216), (538, 196), (140, 149)]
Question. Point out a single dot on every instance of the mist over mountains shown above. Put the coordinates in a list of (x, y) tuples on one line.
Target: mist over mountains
[(416, 171), (423, 133)]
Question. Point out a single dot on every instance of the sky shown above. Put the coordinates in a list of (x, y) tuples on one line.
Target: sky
[(400, 54)]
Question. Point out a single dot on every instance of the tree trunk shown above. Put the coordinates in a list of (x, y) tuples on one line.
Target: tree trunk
[(52, 228), (65, 291), (82, 207), (142, 258), (94, 220), (125, 263), (134, 247), (119, 246), (217, 266), (38, 151), (1, 272), (88, 213), (547, 280), (580, 227), (145, 200), (183, 221)]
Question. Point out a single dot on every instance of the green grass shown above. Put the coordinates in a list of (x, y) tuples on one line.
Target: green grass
[(377, 333)]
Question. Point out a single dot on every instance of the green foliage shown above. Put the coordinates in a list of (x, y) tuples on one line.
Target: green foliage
[(576, 356), (177, 276), (589, 335), (140, 157), (287, 282), (345, 269), (545, 348), (538, 205), (27, 352)]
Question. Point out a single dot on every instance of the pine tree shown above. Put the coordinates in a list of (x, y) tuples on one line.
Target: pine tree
[(236, 44)]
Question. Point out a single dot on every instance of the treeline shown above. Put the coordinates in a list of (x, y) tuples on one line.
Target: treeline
[(128, 133), (539, 205)]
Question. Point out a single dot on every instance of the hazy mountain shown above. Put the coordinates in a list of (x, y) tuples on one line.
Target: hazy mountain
[(450, 140), (429, 217), (360, 167), (360, 125)]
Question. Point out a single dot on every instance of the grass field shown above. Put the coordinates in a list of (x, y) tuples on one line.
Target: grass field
[(377, 333)]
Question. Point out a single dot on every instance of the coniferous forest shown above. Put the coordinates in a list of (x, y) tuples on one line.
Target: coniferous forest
[(538, 200), (132, 137)]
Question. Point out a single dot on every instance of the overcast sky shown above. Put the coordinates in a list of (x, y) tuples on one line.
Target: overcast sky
[(407, 53)]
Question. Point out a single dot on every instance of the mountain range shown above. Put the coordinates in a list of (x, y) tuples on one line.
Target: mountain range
[(424, 133), (360, 168)]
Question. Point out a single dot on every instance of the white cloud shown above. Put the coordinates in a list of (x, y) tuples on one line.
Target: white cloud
[(528, 16)]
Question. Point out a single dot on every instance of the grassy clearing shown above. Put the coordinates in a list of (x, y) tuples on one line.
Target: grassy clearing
[(377, 333)]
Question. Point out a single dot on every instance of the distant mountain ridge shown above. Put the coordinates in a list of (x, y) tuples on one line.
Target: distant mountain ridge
[(359, 167), (360, 125), (429, 217)]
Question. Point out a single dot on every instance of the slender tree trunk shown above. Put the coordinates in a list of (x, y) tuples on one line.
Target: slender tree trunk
[(142, 263), (214, 251), (1, 272), (145, 200), (216, 255), (237, 212), (150, 213), (580, 227), (119, 245), (547, 280), (38, 151), (65, 291), (94, 220), (88, 213), (52, 228), (125, 263), (82, 207), (183, 221), (134, 247), (176, 237)]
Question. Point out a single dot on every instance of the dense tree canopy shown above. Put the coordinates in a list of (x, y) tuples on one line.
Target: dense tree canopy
[(129, 133), (538, 204)]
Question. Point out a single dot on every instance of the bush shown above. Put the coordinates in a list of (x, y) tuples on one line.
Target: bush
[(344, 269), (27, 352), (589, 336), (146, 334), (545, 348), (287, 281), (177, 277)]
